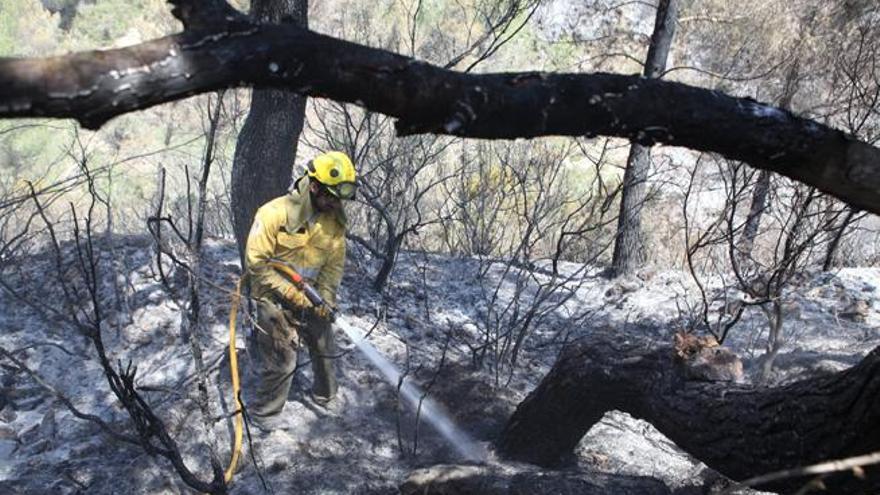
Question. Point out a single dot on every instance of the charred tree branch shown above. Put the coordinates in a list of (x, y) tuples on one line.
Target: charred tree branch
[(205, 13), (96, 86), (738, 430)]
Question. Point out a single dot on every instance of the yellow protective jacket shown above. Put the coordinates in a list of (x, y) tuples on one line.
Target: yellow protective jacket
[(289, 229)]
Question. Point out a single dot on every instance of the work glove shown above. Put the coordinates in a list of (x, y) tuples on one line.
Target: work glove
[(294, 299), (325, 313)]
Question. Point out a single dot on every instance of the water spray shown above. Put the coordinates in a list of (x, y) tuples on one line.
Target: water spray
[(427, 408)]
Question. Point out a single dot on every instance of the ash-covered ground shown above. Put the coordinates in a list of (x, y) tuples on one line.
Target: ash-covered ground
[(432, 314)]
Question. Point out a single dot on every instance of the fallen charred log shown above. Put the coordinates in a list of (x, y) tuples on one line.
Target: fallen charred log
[(739, 430)]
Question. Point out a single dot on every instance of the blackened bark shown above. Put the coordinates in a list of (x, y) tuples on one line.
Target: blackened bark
[(629, 245), (735, 429), (93, 87), (201, 14), (66, 10), (756, 211), (266, 146), (762, 186), (392, 246), (831, 252)]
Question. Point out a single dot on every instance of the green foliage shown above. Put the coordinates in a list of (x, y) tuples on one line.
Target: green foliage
[(26, 29), (31, 149), (104, 23)]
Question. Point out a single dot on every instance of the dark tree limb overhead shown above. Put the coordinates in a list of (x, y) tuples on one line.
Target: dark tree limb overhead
[(93, 87), (205, 13), (737, 430)]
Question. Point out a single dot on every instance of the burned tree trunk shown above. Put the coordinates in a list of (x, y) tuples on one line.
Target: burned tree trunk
[(266, 146), (392, 246), (762, 186), (629, 249), (737, 430), (756, 211), (831, 252)]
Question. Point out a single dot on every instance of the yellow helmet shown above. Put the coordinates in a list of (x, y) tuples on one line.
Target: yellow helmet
[(335, 171)]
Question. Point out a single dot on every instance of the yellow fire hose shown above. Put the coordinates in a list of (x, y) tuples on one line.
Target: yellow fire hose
[(315, 299), (236, 386)]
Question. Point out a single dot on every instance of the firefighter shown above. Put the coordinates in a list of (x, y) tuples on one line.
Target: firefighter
[(306, 230)]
